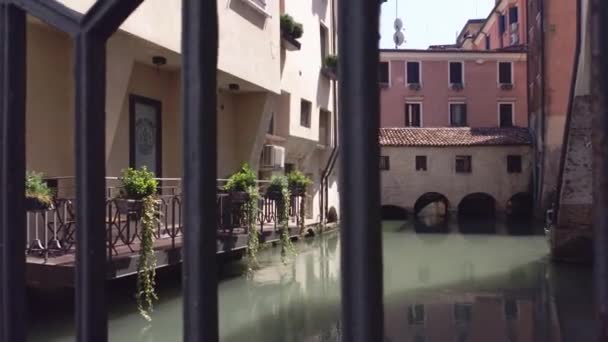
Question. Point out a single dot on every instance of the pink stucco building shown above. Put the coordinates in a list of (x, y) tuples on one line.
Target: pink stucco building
[(440, 88)]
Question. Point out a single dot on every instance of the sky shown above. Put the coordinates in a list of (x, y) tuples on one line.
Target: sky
[(429, 22)]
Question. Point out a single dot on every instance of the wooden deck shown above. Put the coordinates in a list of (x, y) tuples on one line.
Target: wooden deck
[(58, 271)]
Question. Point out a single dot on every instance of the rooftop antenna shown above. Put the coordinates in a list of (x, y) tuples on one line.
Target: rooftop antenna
[(398, 37)]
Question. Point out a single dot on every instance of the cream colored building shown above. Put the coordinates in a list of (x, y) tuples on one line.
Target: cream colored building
[(420, 166), (260, 84)]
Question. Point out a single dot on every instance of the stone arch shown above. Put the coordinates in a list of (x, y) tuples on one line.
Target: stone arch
[(477, 205), (429, 198), (332, 215), (520, 206), (393, 212)]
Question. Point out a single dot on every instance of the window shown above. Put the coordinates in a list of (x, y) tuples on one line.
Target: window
[(463, 164), (384, 73), (271, 125), (463, 313), (324, 128), (324, 42), (511, 309), (514, 164), (289, 168), (385, 163), (420, 163), (305, 111), (413, 73), (513, 15), (416, 314), (413, 115), (456, 73), (488, 43), (458, 114), (502, 24), (506, 114), (505, 73)]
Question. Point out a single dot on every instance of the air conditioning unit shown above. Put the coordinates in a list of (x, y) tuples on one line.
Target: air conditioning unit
[(514, 27), (273, 157), (514, 39)]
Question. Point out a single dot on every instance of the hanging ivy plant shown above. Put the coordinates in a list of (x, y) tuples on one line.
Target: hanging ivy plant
[(279, 191), (297, 183), (137, 199), (253, 239)]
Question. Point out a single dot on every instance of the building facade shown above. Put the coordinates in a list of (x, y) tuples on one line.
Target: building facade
[(143, 97), (431, 88), (420, 166)]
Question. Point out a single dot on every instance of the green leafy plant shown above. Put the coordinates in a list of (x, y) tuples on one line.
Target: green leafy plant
[(241, 180), (137, 184), (298, 182), (331, 61), (253, 238), (291, 27), (298, 30), (36, 188)]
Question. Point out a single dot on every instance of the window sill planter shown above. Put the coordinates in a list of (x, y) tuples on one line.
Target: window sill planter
[(35, 204), (329, 72), (128, 206), (457, 86), (298, 191), (414, 86), (506, 86), (274, 195), (289, 43), (239, 197)]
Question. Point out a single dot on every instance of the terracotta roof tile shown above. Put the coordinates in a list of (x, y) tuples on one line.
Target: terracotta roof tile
[(454, 136)]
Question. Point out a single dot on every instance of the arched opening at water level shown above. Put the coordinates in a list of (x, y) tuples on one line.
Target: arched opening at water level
[(431, 213), (477, 205), (520, 206)]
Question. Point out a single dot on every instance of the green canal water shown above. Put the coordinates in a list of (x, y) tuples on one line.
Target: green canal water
[(469, 282)]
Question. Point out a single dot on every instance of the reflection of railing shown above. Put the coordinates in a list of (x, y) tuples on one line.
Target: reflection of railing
[(52, 233)]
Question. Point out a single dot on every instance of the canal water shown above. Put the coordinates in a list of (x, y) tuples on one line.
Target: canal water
[(480, 281)]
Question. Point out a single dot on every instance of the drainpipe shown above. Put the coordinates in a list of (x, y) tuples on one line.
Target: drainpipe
[(543, 112), (323, 203)]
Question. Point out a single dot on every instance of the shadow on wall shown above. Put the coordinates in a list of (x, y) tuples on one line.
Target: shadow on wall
[(393, 213), (248, 13)]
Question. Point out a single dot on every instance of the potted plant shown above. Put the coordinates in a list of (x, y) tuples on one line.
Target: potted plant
[(38, 195), (330, 66), (278, 184), (291, 31), (136, 185), (240, 183), (297, 183)]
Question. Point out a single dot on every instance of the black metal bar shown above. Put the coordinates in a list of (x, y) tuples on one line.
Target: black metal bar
[(104, 17), (91, 311), (199, 87), (361, 257), (52, 13), (599, 86), (12, 173)]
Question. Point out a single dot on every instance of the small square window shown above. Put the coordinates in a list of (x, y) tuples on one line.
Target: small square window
[(463, 164), (456, 73), (463, 313), (416, 314), (504, 73), (384, 163), (506, 115), (305, 112), (514, 164), (488, 42), (511, 309), (458, 114), (384, 73), (420, 163), (413, 73), (502, 24), (413, 114), (513, 15)]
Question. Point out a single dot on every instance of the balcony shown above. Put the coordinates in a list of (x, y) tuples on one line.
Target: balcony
[(51, 234)]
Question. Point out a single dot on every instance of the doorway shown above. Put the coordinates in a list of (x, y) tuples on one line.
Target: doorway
[(145, 144)]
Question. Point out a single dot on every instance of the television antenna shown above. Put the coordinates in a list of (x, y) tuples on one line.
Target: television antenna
[(398, 37)]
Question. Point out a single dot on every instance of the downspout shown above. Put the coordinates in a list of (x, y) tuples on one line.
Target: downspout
[(323, 203), (543, 112), (566, 137)]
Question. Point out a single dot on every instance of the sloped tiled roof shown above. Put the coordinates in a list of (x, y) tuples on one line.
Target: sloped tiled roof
[(454, 136)]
